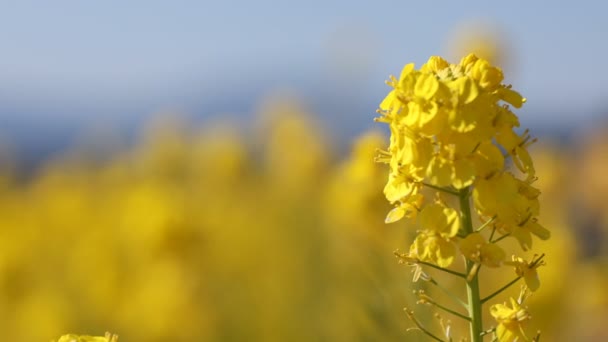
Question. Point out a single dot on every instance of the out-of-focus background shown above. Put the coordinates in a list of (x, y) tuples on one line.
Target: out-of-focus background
[(202, 171)]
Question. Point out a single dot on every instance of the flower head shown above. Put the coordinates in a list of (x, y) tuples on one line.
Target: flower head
[(474, 247), (444, 120), (434, 242), (452, 127), (453, 131), (511, 321), (527, 270)]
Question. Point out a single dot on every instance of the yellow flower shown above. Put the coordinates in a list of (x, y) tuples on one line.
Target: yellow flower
[(399, 188), (433, 248), (434, 242), (453, 130), (516, 146), (475, 248), (448, 123), (407, 209), (499, 196), (488, 160), (85, 338), (439, 219), (511, 321), (523, 233), (515, 205), (527, 270)]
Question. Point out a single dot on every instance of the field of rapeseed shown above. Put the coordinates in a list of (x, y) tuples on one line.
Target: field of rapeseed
[(270, 235), (275, 233)]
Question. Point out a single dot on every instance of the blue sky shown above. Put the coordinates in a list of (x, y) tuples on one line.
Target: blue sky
[(84, 53)]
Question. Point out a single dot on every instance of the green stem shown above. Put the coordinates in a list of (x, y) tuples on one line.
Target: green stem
[(500, 238), (492, 234), (458, 274), (438, 188), (486, 224), (449, 294), (489, 331), (500, 290), (473, 295), (410, 315), (446, 309)]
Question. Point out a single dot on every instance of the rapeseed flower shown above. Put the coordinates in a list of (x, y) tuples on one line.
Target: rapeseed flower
[(452, 131), (84, 338), (527, 270), (475, 248), (512, 321), (435, 242)]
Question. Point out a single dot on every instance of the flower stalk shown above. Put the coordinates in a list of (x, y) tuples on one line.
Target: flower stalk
[(452, 129), (473, 294)]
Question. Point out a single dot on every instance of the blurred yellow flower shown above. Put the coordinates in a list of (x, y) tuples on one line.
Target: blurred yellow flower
[(434, 242), (407, 209), (511, 321), (475, 248), (84, 338), (527, 270)]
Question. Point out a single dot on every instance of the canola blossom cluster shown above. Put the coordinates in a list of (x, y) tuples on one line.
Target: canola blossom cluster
[(453, 131)]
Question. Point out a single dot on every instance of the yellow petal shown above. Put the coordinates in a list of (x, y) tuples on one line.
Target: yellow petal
[(523, 161), (464, 174), (439, 219), (492, 255), (465, 88), (435, 64), (532, 280), (504, 334), (397, 188), (469, 60), (523, 236), (426, 86), (470, 245), (491, 77), (488, 160), (507, 138), (511, 96), (538, 230), (395, 215), (391, 103), (439, 172), (406, 71), (445, 253)]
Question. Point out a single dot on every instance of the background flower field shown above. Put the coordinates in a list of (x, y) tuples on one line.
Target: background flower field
[(207, 173), (218, 234)]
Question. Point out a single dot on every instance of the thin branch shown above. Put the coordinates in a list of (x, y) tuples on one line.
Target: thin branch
[(486, 224), (412, 260), (535, 262), (500, 238), (450, 294), (410, 315), (427, 299), (461, 275), (493, 231), (500, 290), (438, 188), (483, 333)]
